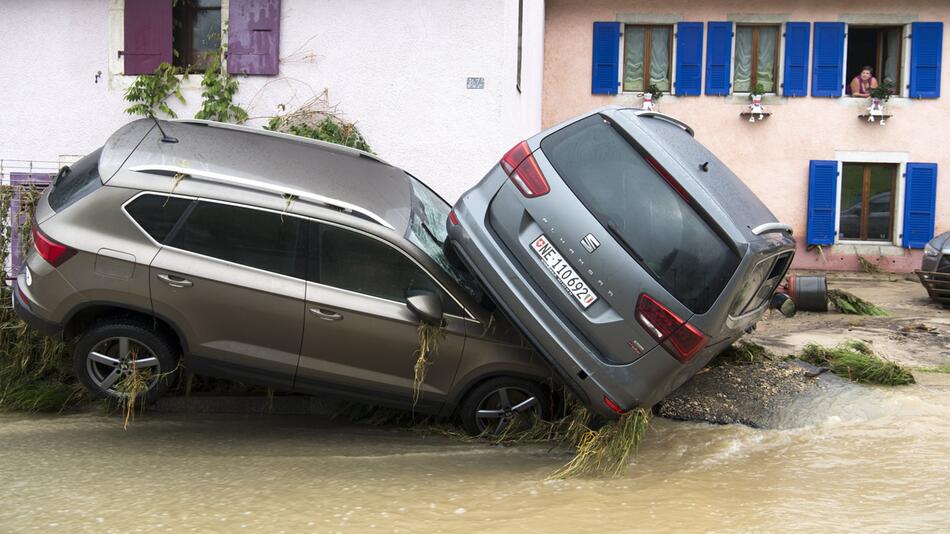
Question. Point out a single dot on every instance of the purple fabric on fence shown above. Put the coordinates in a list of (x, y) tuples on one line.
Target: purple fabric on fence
[(148, 35), (253, 37), (19, 180)]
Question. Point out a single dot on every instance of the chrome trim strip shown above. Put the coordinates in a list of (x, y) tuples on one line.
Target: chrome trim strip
[(261, 186), (772, 227)]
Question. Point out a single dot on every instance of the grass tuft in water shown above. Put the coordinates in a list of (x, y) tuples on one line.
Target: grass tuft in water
[(851, 304), (936, 369), (856, 361), (744, 353)]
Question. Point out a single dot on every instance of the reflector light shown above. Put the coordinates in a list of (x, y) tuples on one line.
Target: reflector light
[(452, 218), (679, 338), (613, 405), (53, 252)]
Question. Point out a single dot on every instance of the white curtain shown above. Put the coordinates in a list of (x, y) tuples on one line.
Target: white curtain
[(633, 59), (765, 73), (743, 77), (891, 59), (660, 58)]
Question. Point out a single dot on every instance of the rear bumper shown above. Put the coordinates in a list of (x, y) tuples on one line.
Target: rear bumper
[(22, 309), (639, 384)]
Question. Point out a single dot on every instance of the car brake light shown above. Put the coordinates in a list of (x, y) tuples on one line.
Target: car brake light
[(668, 178), (679, 338), (453, 218), (613, 405), (522, 169), (53, 252)]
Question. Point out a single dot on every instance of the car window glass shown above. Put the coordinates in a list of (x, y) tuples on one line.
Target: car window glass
[(356, 262), (261, 239), (80, 179), (157, 214)]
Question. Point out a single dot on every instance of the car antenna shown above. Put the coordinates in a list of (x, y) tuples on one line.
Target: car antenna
[(165, 137), (704, 166)]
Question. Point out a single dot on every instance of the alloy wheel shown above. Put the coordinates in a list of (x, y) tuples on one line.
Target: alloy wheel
[(501, 406), (114, 360)]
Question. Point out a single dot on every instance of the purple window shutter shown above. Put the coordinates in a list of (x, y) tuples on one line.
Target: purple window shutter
[(148, 35), (253, 37), (20, 180)]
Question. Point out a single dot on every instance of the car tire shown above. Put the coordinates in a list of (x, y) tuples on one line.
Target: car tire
[(101, 366), (488, 397)]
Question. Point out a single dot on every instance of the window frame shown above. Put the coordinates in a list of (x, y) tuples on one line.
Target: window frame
[(195, 199), (777, 65), (647, 49), (866, 201), (903, 57)]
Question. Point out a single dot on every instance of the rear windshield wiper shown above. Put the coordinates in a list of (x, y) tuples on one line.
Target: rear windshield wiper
[(63, 171), (612, 228)]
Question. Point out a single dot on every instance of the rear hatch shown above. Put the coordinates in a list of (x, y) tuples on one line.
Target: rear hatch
[(636, 237)]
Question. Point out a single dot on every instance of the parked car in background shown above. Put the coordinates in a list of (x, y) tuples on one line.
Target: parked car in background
[(270, 259), (934, 270), (624, 250)]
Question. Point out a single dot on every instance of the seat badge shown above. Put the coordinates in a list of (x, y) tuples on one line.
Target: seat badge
[(590, 243)]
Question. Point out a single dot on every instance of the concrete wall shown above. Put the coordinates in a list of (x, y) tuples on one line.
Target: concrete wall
[(771, 156), (397, 68)]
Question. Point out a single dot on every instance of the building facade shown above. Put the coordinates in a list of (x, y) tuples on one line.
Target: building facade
[(440, 88), (853, 190)]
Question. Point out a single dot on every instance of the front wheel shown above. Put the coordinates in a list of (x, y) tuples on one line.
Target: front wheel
[(122, 358), (492, 406)]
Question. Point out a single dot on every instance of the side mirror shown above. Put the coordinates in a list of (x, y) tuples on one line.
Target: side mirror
[(426, 305), (784, 304)]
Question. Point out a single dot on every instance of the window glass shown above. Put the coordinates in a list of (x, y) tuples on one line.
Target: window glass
[(80, 179), (260, 239), (157, 214), (197, 33), (637, 206), (756, 47), (866, 210), (356, 262), (646, 57), (852, 201)]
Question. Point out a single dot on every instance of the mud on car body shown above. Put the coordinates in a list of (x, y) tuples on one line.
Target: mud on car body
[(624, 249), (271, 259)]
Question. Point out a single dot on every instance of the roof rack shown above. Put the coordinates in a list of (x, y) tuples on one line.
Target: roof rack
[(257, 185), (667, 118), (281, 135)]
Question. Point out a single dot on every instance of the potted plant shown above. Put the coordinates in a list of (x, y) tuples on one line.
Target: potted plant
[(650, 97), (879, 96), (756, 109)]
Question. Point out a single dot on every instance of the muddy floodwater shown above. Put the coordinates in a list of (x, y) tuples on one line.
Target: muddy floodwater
[(848, 458)]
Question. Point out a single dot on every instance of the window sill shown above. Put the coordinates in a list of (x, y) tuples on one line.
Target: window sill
[(868, 248), (768, 99)]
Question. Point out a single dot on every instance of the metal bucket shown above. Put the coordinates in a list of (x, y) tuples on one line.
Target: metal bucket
[(810, 293)]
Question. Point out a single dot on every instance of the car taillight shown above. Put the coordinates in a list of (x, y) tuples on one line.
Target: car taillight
[(54, 253), (679, 338), (613, 405), (522, 169)]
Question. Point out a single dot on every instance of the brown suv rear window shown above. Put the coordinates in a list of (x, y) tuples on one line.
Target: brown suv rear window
[(642, 211)]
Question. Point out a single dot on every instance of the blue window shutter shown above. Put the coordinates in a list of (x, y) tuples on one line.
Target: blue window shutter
[(925, 56), (606, 63), (718, 58), (827, 77), (822, 194), (920, 199), (689, 58), (795, 78)]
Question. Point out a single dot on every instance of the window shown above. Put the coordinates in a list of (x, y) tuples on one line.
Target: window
[(80, 179), (261, 239), (877, 47), (356, 262), (197, 33), (157, 214), (647, 55), (756, 58), (641, 210), (867, 201)]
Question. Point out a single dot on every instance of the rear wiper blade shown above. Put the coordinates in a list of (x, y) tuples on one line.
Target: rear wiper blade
[(612, 228), (63, 171)]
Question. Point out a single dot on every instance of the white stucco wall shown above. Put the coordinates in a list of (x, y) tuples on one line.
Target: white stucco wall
[(398, 68)]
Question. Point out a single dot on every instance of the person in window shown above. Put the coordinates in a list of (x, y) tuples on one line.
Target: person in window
[(862, 84)]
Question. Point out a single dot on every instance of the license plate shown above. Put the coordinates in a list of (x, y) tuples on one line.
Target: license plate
[(563, 272)]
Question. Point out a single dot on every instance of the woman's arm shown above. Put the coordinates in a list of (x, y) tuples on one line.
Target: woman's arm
[(856, 88), (873, 82)]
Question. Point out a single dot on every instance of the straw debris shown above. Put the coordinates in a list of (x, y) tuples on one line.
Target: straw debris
[(851, 304), (856, 361), (429, 338)]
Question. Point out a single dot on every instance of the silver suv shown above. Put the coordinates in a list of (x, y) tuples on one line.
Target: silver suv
[(270, 259)]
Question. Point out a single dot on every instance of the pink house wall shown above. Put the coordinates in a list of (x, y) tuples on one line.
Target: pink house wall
[(771, 156)]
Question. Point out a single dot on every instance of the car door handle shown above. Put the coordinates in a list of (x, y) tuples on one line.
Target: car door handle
[(326, 315), (174, 281)]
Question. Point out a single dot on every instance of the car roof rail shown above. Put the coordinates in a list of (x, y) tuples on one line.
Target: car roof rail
[(772, 227), (258, 185)]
